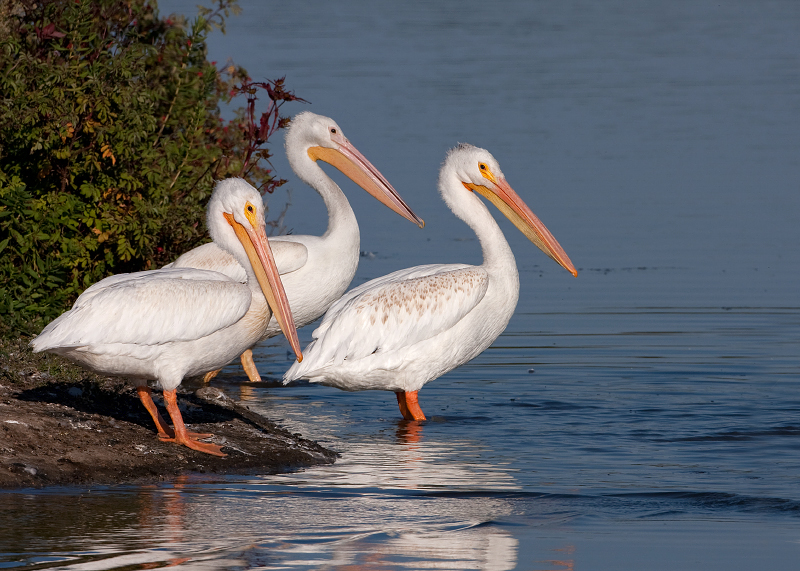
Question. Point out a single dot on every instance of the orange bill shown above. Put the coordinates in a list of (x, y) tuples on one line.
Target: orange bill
[(259, 253), (356, 166), (509, 203)]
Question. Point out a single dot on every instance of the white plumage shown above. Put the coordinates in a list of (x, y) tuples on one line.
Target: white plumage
[(315, 270), (147, 308), (402, 330), (172, 323)]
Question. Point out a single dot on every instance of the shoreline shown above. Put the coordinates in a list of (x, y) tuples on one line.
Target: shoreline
[(61, 425)]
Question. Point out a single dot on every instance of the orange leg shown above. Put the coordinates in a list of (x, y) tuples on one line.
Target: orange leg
[(250, 366), (247, 364), (210, 375), (182, 436), (401, 401), (164, 431), (413, 406), (409, 405)]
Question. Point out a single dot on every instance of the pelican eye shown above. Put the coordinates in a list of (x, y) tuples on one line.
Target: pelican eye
[(250, 213), (333, 130), (486, 172)]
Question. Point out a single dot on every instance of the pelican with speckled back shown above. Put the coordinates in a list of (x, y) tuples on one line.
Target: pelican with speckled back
[(315, 270), (398, 332), (169, 324)]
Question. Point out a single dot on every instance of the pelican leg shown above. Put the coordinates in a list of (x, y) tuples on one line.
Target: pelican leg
[(401, 401), (182, 436), (409, 405), (413, 406), (164, 431), (250, 367), (210, 375)]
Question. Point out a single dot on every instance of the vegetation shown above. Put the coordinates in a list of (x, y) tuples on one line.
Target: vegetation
[(111, 137)]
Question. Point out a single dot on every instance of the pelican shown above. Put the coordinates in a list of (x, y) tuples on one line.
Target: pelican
[(168, 324), (315, 270), (398, 332)]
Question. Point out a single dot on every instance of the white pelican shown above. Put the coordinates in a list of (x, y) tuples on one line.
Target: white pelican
[(168, 324), (315, 270), (398, 332)]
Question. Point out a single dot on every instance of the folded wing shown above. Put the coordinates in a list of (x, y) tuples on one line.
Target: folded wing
[(149, 308), (392, 312)]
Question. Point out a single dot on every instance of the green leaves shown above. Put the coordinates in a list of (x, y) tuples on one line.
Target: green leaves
[(111, 139)]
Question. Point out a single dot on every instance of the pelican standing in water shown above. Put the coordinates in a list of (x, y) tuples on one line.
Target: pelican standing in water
[(169, 324), (397, 332), (315, 270)]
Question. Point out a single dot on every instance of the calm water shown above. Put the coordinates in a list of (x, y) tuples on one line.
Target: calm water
[(645, 415)]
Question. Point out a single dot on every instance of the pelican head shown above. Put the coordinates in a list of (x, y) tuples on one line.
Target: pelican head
[(319, 138), (479, 172), (236, 223)]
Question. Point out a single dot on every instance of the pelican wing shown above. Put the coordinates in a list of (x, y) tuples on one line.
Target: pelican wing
[(149, 308), (392, 312), (400, 276), (166, 272), (211, 257), (289, 256)]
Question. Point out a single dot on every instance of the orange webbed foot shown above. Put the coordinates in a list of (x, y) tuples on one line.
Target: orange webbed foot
[(205, 447), (182, 436), (170, 436)]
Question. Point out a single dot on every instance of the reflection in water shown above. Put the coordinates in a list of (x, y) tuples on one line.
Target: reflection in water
[(388, 503), (163, 515), (474, 548), (409, 432), (247, 393), (559, 564), (163, 510), (405, 458)]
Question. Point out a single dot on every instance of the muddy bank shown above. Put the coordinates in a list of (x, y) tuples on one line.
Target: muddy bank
[(62, 426)]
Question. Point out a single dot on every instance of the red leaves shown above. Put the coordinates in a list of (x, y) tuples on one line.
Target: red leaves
[(259, 131), (48, 32)]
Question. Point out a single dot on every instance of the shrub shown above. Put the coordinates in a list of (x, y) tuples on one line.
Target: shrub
[(111, 137)]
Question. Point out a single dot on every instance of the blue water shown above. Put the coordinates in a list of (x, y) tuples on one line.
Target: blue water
[(645, 415)]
